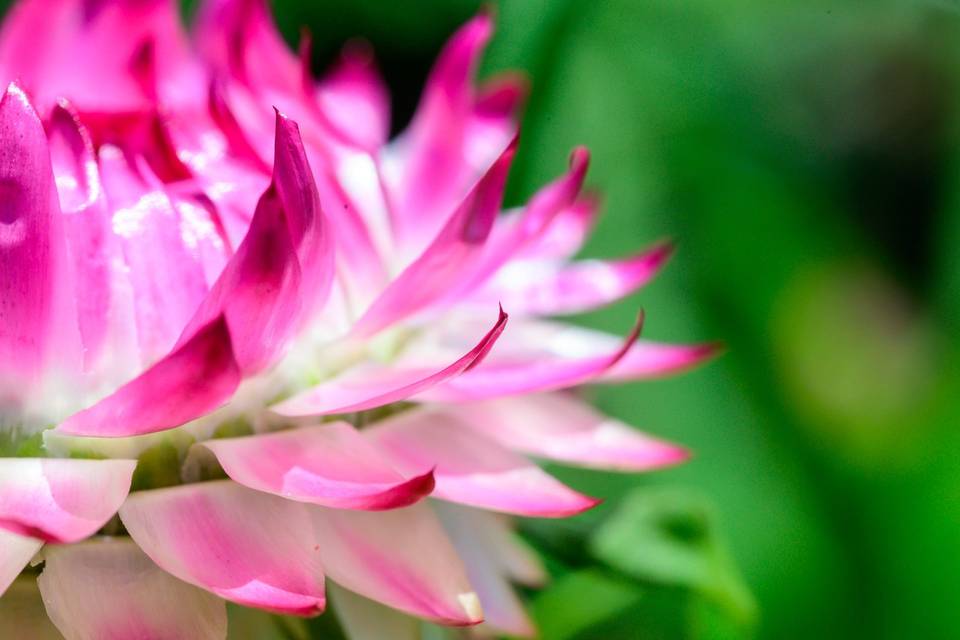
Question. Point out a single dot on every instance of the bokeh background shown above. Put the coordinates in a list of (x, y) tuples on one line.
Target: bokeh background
[(804, 157)]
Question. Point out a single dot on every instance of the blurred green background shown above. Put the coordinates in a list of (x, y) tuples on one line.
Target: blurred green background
[(804, 156)]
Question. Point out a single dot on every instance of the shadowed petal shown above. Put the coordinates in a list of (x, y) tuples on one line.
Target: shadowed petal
[(248, 547), (471, 469), (38, 322), (330, 465), (368, 388), (354, 99), (364, 619), (61, 500), (15, 552), (561, 427), (502, 607), (108, 589), (193, 380), (401, 558)]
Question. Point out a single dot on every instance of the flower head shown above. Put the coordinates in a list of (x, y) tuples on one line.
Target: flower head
[(244, 336)]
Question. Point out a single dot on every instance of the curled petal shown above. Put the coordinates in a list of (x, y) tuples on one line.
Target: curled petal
[(15, 552), (401, 558), (61, 500), (109, 589), (369, 389), (566, 232), (560, 427), (329, 465), (537, 357), (473, 470), (193, 380), (245, 546)]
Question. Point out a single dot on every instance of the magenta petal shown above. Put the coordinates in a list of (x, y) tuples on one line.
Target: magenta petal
[(61, 500), (354, 99), (561, 427), (245, 546), (15, 552), (401, 558), (193, 380), (283, 268), (435, 164), (330, 465), (38, 321), (473, 470), (536, 357), (654, 360), (109, 590), (449, 257), (239, 38), (566, 233), (582, 286), (368, 388)]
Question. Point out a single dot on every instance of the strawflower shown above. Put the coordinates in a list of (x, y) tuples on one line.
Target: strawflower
[(250, 347)]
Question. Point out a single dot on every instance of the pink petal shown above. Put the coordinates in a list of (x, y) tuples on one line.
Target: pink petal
[(192, 381), (87, 50), (512, 234), (61, 500), (108, 589), (448, 258), (248, 547), (471, 469), (239, 38), (15, 552), (38, 322), (401, 558), (330, 465), (566, 233), (503, 609), (537, 357), (284, 267), (370, 388), (104, 304), (561, 427), (354, 99), (552, 289), (165, 267), (656, 360), (434, 166), (364, 619)]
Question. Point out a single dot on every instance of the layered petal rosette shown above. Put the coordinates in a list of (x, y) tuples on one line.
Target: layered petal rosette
[(250, 348)]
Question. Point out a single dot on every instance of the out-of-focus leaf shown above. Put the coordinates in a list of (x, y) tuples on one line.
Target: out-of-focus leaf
[(669, 537), (580, 601)]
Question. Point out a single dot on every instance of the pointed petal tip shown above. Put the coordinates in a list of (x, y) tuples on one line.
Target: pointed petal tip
[(470, 602)]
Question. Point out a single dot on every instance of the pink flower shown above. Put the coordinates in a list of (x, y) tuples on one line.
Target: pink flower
[(204, 251)]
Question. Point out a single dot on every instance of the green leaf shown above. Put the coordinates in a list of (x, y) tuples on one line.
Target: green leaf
[(668, 537)]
